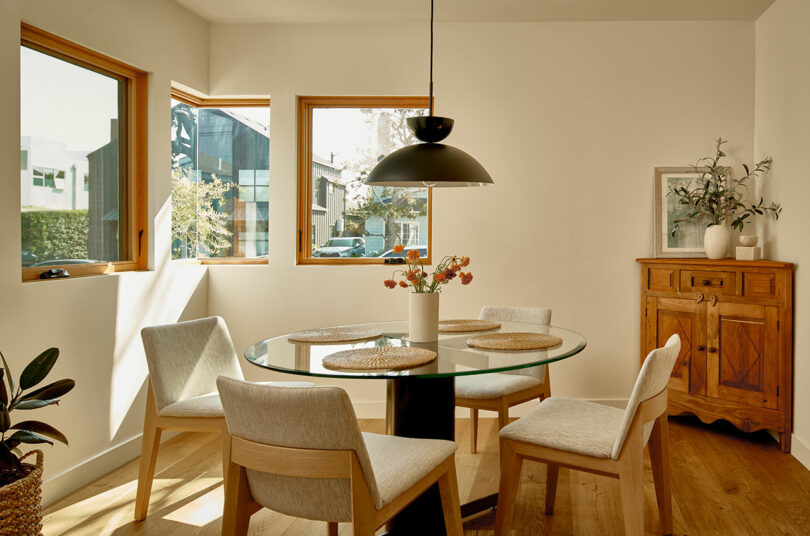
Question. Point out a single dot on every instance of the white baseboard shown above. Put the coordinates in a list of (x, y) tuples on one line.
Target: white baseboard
[(81, 474), (800, 450), (84, 472)]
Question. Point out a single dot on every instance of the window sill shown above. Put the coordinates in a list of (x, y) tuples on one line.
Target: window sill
[(31, 274)]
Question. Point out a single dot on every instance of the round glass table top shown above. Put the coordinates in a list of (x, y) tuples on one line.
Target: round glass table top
[(454, 358)]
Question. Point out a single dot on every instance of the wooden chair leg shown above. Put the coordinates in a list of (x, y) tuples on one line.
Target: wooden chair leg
[(474, 431), (552, 473), (503, 414), (238, 501), (631, 481), (659, 458), (448, 490), (332, 529), (149, 450), (511, 465)]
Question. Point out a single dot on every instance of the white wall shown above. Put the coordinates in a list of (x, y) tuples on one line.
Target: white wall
[(569, 119), (95, 321), (783, 132)]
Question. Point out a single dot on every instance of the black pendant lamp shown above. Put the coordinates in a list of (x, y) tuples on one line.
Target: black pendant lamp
[(430, 164)]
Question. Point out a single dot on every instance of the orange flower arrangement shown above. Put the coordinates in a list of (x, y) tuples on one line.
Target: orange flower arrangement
[(422, 282)]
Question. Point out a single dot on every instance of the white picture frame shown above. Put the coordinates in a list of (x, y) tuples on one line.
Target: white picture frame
[(688, 241)]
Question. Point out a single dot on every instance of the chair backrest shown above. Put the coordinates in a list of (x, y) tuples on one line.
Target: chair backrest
[(185, 358), (527, 315), (310, 417), (651, 380)]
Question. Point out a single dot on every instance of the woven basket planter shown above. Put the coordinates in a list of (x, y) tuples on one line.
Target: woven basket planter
[(21, 502)]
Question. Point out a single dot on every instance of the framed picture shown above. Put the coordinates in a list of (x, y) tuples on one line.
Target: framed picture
[(688, 241)]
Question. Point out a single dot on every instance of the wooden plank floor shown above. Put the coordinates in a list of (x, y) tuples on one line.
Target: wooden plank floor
[(725, 483)]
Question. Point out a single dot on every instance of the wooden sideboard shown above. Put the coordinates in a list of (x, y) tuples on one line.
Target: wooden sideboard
[(735, 320)]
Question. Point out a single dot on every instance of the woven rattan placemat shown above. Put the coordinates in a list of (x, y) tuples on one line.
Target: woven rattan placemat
[(466, 326), (514, 341), (379, 358), (336, 334)]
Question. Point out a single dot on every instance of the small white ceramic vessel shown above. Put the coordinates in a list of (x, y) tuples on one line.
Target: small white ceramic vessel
[(748, 240)]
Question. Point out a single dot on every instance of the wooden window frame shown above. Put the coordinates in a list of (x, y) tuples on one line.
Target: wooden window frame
[(199, 101), (133, 226), (303, 234)]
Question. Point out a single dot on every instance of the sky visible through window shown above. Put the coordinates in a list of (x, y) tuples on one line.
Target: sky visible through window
[(59, 101)]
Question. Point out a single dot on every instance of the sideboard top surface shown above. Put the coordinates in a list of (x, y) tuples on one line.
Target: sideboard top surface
[(718, 262)]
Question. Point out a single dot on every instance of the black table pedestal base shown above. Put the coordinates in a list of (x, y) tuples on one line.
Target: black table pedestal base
[(422, 408)]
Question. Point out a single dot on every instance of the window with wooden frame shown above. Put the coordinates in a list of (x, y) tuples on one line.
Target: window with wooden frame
[(220, 178), (340, 219), (83, 185)]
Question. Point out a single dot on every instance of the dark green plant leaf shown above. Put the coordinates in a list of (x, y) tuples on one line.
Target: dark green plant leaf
[(3, 392), (50, 391), (37, 369), (41, 428), (7, 458), (34, 404), (9, 377), (29, 437), (5, 419)]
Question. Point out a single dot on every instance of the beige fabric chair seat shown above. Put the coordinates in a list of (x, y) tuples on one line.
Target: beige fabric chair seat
[(492, 385), (400, 462), (209, 405), (570, 425)]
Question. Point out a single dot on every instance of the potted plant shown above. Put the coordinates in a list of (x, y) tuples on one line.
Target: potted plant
[(423, 314), (720, 200), (20, 482)]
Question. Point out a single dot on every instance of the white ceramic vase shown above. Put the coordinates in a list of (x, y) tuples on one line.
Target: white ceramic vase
[(716, 241), (423, 317)]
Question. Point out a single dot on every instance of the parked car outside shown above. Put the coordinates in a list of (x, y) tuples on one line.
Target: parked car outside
[(343, 246), (403, 253)]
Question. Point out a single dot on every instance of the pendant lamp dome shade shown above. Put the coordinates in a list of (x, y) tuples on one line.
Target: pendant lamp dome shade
[(429, 164)]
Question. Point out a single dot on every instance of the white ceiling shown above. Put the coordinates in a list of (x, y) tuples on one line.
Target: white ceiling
[(369, 11)]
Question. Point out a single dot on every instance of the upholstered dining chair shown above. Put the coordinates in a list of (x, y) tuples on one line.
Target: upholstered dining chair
[(501, 390), (598, 439), (184, 360), (299, 451)]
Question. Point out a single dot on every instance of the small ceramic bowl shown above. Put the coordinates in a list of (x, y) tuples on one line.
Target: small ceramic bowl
[(748, 240)]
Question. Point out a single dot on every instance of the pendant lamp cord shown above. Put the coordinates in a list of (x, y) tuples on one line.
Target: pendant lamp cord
[(431, 57)]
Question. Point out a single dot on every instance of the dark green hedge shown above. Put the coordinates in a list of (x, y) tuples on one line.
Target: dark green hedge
[(55, 234)]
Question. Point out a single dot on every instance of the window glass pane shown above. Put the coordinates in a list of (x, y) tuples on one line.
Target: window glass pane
[(217, 155), (23, 160), (350, 219), (69, 131)]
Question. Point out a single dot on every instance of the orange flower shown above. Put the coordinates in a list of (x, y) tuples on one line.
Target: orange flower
[(398, 248), (449, 274), (465, 261), (439, 278), (403, 284), (413, 254), (410, 275), (390, 283), (466, 279)]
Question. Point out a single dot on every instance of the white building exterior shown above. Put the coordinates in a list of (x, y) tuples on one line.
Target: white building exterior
[(51, 177)]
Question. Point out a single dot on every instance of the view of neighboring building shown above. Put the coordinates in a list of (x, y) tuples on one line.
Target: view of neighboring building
[(328, 201), (222, 143), (51, 176), (341, 205), (103, 217)]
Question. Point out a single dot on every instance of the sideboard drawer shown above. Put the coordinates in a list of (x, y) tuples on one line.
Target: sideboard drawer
[(761, 284), (709, 282)]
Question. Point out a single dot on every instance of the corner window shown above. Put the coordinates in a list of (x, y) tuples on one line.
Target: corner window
[(80, 205), (220, 178), (340, 219)]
